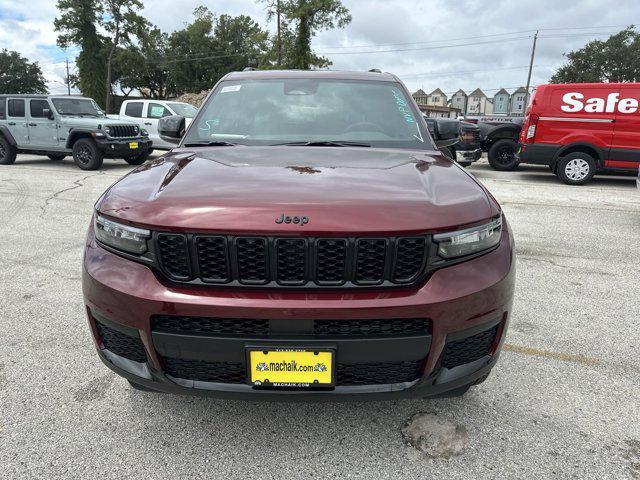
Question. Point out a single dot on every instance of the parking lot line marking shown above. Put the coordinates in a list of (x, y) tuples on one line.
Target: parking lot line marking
[(564, 357)]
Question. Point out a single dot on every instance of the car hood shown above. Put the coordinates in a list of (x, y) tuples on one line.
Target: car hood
[(94, 122), (339, 189)]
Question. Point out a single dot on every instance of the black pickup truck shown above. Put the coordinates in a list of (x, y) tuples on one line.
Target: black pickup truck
[(467, 150)]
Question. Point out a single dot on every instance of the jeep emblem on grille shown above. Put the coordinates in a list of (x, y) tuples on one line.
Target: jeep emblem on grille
[(302, 221)]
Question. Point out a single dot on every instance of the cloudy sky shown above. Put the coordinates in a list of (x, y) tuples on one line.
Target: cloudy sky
[(428, 43)]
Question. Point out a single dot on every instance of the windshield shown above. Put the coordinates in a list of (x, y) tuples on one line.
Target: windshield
[(270, 112), (77, 106), (184, 109)]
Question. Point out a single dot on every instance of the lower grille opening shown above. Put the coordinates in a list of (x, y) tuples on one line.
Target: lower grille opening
[(377, 373), (249, 327), (210, 326), (197, 370), (346, 374), (468, 349), (403, 327), (121, 344)]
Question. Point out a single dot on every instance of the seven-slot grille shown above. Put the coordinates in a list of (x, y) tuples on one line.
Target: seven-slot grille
[(294, 262), (122, 131)]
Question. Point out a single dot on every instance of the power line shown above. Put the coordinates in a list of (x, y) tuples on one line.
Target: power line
[(427, 48)]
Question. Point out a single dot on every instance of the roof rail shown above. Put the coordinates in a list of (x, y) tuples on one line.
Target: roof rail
[(248, 69), (375, 70)]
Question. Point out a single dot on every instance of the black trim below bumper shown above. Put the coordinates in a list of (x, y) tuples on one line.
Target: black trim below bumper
[(538, 153), (436, 384)]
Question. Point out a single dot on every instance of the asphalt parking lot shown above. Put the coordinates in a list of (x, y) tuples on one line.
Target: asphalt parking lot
[(563, 402)]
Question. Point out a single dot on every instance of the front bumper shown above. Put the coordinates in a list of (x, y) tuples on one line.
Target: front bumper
[(460, 301), (111, 147), (467, 156)]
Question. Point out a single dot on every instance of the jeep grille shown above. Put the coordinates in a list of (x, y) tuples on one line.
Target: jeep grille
[(123, 131), (291, 262)]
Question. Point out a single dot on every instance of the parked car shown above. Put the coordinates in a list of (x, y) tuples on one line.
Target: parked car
[(57, 126), (500, 140), (305, 239), (466, 149), (147, 113), (583, 128)]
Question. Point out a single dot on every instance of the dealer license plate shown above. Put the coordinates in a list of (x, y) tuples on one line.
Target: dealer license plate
[(291, 367), (133, 145)]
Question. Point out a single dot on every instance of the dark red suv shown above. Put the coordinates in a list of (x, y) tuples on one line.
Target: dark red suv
[(305, 239)]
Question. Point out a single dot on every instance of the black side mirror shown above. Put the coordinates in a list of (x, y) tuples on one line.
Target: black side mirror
[(171, 128), (47, 113)]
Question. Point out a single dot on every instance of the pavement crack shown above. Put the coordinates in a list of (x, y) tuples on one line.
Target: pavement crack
[(76, 184)]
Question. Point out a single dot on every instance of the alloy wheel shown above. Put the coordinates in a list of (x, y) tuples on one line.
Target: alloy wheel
[(84, 154), (505, 155)]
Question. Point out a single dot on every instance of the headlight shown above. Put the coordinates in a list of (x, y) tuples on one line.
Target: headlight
[(144, 133), (107, 130), (470, 240), (122, 237)]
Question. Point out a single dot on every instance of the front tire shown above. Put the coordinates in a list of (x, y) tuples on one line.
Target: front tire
[(502, 155), (576, 168), (87, 155), (7, 152), (56, 157)]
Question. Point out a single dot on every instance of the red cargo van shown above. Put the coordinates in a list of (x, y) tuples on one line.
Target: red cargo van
[(579, 129)]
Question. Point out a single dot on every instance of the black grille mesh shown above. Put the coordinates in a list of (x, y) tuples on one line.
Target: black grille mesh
[(331, 257), (174, 256), (210, 326), (291, 256), (121, 344), (198, 370), (468, 349), (371, 328), (212, 258), (410, 257), (370, 260), (377, 373), (252, 260), (292, 261)]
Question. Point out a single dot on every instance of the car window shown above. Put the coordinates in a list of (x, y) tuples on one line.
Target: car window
[(155, 110), (36, 108), (184, 109), (133, 109), (16, 108), (275, 111), (3, 102)]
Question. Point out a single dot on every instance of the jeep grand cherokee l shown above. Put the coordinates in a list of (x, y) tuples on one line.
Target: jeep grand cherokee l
[(306, 239)]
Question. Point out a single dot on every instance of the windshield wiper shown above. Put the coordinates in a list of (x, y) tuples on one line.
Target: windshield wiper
[(324, 143), (213, 143)]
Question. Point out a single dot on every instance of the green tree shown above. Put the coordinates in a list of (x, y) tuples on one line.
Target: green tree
[(616, 59), (210, 47), (121, 21), (242, 39), (18, 75), (310, 17), (144, 66), (77, 25)]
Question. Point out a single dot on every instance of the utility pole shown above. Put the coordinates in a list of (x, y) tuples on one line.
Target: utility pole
[(279, 39), (68, 81), (533, 52)]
